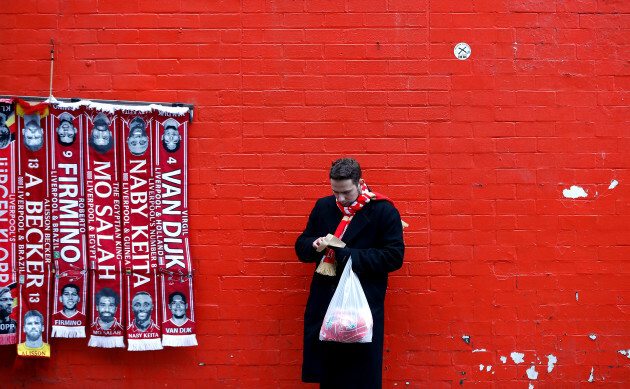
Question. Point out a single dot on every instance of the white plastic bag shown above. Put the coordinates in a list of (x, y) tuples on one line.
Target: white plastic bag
[(348, 318)]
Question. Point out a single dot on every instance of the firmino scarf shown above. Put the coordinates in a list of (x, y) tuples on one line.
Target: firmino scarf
[(8, 277), (104, 210), (138, 194), (33, 230), (69, 239), (327, 264), (175, 264)]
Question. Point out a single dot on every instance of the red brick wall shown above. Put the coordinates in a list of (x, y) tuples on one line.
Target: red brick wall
[(476, 154)]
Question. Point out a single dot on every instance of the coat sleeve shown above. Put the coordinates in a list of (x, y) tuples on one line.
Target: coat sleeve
[(304, 243), (388, 249)]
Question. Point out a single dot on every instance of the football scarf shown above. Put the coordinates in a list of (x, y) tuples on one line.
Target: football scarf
[(104, 211), (327, 265), (69, 239), (143, 330), (171, 130), (8, 285), (33, 229)]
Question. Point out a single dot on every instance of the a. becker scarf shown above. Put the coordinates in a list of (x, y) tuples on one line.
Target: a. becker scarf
[(143, 331), (171, 186), (327, 264), (69, 239), (104, 211), (8, 285), (33, 230)]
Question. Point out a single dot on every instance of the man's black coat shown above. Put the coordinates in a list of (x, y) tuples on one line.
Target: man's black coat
[(376, 245)]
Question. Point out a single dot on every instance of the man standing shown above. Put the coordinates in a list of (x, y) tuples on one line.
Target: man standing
[(68, 315), (107, 301), (7, 324), (142, 308), (33, 328), (371, 227)]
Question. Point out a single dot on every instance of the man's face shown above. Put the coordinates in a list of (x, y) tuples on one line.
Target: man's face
[(178, 307), (6, 304), (106, 309), (171, 138), (142, 305), (33, 328), (101, 135), (138, 142), (69, 298), (33, 135), (345, 191), (66, 132)]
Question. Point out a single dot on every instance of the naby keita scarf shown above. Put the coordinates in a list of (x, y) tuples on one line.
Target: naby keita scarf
[(327, 264)]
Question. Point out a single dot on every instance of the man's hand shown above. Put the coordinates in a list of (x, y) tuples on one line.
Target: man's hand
[(317, 242)]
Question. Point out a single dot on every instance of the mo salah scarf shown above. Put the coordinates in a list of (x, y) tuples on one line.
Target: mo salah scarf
[(8, 278), (69, 239), (100, 140), (171, 131), (143, 330), (33, 230), (327, 265)]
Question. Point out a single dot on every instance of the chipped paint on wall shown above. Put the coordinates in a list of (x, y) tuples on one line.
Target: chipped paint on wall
[(503, 359), (466, 339), (574, 192), (613, 184), (479, 350), (551, 361), (517, 357), (593, 336), (532, 374), (590, 379), (625, 352)]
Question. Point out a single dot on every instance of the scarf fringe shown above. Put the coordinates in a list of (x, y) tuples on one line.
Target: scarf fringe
[(68, 332), (144, 344), (179, 340), (327, 269), (106, 341), (8, 339)]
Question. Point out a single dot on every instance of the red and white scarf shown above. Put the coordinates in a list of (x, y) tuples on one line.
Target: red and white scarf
[(69, 239), (348, 213), (175, 264), (8, 253), (33, 230), (143, 331), (104, 215)]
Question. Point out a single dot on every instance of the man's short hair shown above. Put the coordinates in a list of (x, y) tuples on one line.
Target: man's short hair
[(142, 294), (35, 313), (172, 295), (346, 168), (71, 285), (107, 292), (4, 290)]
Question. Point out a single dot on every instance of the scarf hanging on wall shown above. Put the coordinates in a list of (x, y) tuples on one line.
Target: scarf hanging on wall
[(104, 208), (33, 230), (143, 330), (69, 240), (171, 132), (8, 285)]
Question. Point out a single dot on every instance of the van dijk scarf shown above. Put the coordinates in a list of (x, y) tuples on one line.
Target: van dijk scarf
[(171, 187), (69, 240), (103, 205), (327, 264), (33, 230), (143, 330)]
